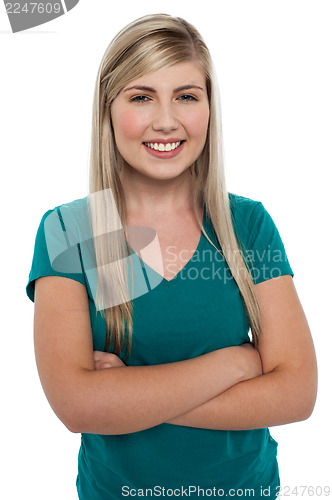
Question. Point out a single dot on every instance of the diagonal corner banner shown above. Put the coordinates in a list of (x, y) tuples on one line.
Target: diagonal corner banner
[(23, 15)]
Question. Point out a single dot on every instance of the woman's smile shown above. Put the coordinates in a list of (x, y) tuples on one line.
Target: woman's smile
[(164, 150)]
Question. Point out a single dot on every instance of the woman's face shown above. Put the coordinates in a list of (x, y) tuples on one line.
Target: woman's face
[(160, 120)]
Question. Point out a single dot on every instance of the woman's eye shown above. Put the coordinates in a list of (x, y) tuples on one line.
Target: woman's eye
[(188, 97), (144, 98), (139, 98)]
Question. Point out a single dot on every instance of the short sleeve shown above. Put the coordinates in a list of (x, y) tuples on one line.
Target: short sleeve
[(265, 251), (56, 252)]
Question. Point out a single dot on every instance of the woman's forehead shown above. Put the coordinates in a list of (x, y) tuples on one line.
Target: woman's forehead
[(175, 76)]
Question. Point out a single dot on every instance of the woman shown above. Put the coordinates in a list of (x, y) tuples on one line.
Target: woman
[(161, 273)]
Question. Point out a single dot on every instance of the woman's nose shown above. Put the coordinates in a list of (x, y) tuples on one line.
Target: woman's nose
[(165, 119)]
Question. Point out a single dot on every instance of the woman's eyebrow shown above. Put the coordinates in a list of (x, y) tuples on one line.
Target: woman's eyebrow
[(150, 89)]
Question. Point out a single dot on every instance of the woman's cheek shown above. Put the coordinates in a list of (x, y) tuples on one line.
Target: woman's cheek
[(197, 123), (132, 124)]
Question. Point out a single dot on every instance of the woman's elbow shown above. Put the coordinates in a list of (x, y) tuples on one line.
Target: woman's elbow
[(72, 407), (69, 418), (73, 422), (309, 404), (306, 395), (77, 424), (78, 419), (298, 386), (72, 428)]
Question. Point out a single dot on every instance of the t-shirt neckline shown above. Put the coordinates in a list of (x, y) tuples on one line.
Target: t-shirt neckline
[(164, 280)]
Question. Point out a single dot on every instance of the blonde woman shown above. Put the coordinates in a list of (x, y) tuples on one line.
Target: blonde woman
[(146, 292)]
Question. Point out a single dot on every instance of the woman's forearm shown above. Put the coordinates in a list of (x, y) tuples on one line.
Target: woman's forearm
[(275, 398), (133, 398)]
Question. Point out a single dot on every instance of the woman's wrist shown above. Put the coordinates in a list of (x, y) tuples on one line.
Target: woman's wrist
[(243, 362), (249, 360)]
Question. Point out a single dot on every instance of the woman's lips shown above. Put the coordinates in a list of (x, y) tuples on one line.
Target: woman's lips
[(165, 154)]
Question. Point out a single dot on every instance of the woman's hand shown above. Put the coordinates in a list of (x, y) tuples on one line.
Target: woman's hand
[(106, 360), (252, 361)]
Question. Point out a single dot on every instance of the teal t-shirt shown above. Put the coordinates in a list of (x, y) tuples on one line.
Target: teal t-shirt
[(198, 311)]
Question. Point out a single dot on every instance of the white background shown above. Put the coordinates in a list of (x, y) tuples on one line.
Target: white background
[(274, 69)]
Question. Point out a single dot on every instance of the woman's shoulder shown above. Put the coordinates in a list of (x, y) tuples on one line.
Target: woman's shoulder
[(243, 207), (70, 213), (257, 231), (66, 224), (249, 217), (74, 206)]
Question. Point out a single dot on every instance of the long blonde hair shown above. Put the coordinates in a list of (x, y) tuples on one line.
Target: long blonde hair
[(145, 45)]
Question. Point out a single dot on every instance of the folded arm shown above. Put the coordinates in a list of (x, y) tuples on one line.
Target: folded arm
[(286, 392), (123, 399)]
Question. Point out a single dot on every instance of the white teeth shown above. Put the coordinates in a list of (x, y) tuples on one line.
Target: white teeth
[(163, 147)]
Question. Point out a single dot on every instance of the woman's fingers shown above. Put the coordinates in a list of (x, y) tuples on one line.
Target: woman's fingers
[(106, 360), (105, 365), (97, 355)]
